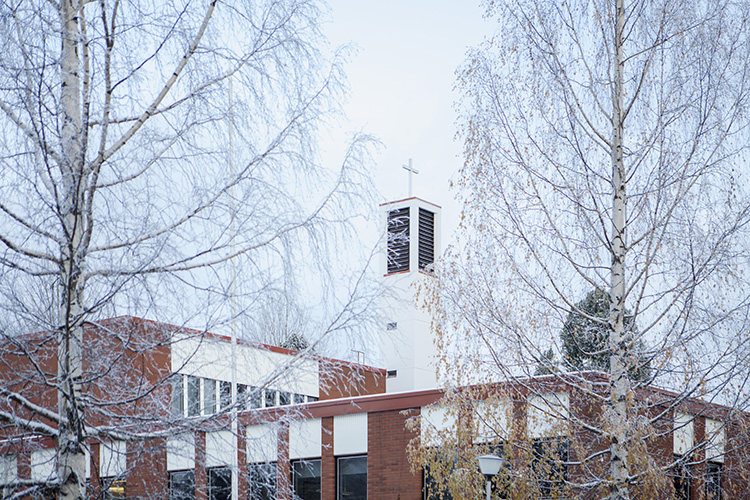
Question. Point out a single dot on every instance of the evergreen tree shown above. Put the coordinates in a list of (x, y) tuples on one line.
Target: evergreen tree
[(585, 336)]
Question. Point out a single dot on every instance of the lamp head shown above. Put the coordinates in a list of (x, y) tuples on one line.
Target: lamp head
[(490, 465)]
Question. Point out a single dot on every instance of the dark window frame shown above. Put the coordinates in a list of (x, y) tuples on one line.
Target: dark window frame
[(218, 491), (265, 490), (549, 459), (713, 481), (173, 495), (311, 489), (341, 481)]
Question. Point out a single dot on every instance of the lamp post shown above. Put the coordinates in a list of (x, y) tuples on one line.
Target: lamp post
[(490, 466)]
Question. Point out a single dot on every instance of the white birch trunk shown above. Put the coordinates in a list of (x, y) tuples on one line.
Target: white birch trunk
[(619, 382), (71, 466)]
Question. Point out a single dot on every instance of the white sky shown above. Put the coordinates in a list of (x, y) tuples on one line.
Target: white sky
[(401, 80)]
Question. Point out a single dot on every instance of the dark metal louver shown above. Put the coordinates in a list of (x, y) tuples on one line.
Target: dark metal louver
[(426, 238), (398, 240)]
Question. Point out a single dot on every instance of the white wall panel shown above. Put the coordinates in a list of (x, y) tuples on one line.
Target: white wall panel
[(181, 452), (715, 438), (435, 420), (547, 414), (42, 464), (207, 357), (683, 432), (491, 420), (219, 448), (8, 468), (350, 434), (113, 460), (305, 438), (262, 444)]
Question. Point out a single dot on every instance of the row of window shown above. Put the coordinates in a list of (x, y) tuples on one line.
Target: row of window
[(351, 481), (194, 396)]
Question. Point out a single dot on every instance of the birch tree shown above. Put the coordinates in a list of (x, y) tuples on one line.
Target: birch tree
[(145, 146), (605, 148)]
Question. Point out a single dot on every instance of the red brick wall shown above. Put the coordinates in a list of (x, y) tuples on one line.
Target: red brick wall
[(389, 474), (328, 461)]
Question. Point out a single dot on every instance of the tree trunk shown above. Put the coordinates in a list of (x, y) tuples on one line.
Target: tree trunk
[(619, 382), (71, 457)]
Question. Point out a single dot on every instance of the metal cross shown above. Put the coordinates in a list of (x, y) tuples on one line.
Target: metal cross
[(411, 170)]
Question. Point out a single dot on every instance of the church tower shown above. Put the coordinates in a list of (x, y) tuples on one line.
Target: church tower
[(412, 242)]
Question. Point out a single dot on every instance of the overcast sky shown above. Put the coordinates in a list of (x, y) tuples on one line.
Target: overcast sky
[(401, 80)]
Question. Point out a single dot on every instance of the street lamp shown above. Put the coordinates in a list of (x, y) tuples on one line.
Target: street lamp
[(490, 465)]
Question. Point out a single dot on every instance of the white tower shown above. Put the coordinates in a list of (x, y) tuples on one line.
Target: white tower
[(413, 240)]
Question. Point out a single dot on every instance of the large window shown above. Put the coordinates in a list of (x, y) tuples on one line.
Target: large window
[(113, 488), (182, 485), (220, 483), (178, 394), (262, 481), (681, 478), (351, 480), (306, 479), (549, 466), (209, 396), (194, 396), (225, 394), (713, 481)]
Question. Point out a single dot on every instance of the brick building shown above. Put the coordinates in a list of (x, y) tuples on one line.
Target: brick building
[(181, 414)]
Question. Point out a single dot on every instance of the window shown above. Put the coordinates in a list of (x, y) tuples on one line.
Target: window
[(241, 396), (255, 398), (284, 398), (194, 396), (549, 466), (306, 479), (432, 489), (681, 476), (713, 481), (178, 396), (182, 485), (113, 488), (426, 238), (398, 240), (299, 399), (270, 398), (209, 396), (312, 399), (351, 482), (262, 483), (220, 483), (225, 394)]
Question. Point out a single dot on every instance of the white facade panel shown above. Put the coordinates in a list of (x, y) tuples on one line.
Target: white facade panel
[(305, 438), (181, 452), (43, 464), (350, 434), (491, 420), (113, 460), (262, 444), (219, 448), (209, 358), (684, 432), (436, 420), (715, 439), (547, 414), (8, 468)]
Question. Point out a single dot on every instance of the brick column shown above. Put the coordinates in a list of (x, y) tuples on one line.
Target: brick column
[(328, 461), (201, 479), (389, 473), (241, 463), (283, 470)]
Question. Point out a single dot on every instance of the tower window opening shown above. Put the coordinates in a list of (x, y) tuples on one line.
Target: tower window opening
[(398, 240), (426, 238)]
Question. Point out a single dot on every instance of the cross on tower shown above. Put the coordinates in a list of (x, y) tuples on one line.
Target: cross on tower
[(411, 170)]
